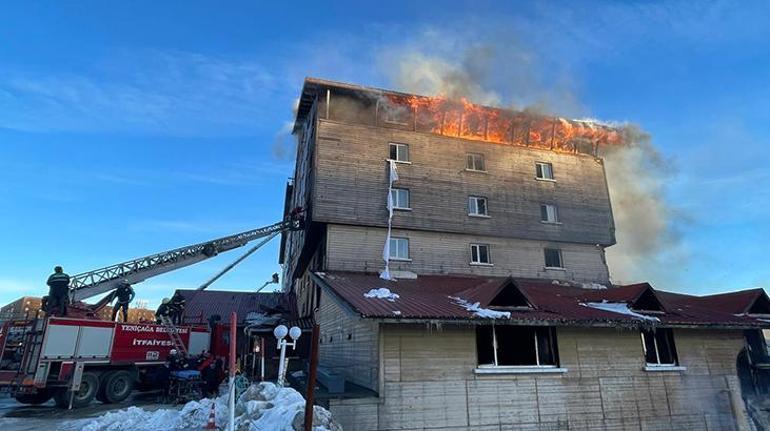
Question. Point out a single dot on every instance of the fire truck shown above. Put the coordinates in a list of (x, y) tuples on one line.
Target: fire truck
[(78, 358)]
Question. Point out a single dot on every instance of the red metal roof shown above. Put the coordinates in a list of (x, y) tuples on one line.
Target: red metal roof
[(431, 297), (201, 304)]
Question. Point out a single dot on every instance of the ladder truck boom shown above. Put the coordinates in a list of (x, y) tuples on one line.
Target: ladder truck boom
[(92, 283)]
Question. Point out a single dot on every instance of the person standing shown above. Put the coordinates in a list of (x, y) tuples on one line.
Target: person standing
[(58, 292), (125, 294)]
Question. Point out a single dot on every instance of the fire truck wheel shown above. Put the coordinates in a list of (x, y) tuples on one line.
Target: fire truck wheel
[(34, 399), (100, 396), (118, 386), (89, 386)]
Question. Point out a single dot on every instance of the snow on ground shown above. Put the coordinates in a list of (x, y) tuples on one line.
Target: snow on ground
[(262, 407), (476, 309), (382, 293), (618, 307)]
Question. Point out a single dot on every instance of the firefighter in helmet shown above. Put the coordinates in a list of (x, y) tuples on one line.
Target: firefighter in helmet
[(58, 292), (125, 294)]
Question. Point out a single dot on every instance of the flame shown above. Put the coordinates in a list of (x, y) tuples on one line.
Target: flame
[(463, 119)]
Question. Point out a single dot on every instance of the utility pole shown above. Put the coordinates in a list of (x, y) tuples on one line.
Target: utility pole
[(312, 374)]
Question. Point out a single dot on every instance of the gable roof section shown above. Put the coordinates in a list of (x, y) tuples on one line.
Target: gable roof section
[(204, 303), (434, 297)]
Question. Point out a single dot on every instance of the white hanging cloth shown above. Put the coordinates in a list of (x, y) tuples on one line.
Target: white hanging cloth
[(392, 177)]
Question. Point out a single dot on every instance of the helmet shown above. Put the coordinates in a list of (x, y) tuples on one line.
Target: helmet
[(125, 280), (165, 301), (58, 269), (173, 351)]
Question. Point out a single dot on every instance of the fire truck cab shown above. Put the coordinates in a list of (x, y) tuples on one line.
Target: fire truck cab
[(76, 360)]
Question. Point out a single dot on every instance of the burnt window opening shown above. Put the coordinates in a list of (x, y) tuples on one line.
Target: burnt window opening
[(760, 306), (553, 258), (350, 336), (510, 297), (396, 114), (516, 346), (648, 302), (659, 347)]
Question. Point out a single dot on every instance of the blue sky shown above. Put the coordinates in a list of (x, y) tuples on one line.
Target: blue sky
[(132, 127)]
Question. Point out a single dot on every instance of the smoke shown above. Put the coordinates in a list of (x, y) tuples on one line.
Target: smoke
[(421, 74), (505, 74), (636, 177), (284, 144)]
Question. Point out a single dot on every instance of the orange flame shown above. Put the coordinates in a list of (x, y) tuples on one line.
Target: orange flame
[(463, 119)]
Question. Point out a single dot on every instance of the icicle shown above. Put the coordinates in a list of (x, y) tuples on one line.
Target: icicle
[(393, 177)]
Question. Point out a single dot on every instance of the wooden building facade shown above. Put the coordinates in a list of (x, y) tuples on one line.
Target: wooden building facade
[(499, 317)]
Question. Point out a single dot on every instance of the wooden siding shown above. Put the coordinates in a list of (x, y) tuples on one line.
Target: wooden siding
[(428, 383), (351, 186), (354, 248), (349, 345)]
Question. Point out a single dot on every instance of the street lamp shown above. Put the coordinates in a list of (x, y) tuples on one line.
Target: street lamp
[(280, 333)]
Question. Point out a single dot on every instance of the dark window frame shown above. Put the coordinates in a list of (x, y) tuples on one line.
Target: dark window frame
[(500, 346), (659, 347), (558, 254)]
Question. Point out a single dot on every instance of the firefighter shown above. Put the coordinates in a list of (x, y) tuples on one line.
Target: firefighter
[(176, 306), (125, 294), (58, 292), (163, 310)]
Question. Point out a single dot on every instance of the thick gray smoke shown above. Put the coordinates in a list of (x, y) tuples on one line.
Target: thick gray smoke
[(636, 172), (636, 176)]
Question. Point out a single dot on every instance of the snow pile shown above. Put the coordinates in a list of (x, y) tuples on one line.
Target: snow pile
[(382, 293), (262, 407), (618, 307), (476, 309), (593, 286)]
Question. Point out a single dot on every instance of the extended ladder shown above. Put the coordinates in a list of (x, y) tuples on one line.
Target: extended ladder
[(173, 334)]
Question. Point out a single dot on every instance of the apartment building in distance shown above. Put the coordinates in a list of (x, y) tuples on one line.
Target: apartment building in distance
[(499, 312)]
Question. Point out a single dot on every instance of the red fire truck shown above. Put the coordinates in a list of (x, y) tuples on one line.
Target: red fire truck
[(78, 358)]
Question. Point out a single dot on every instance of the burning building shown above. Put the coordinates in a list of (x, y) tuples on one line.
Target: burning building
[(454, 257)]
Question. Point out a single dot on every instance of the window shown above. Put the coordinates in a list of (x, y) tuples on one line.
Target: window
[(475, 162), (477, 206), (399, 248), (400, 198), (659, 349), (543, 171), (399, 152), (498, 346), (553, 258), (480, 254), (549, 213)]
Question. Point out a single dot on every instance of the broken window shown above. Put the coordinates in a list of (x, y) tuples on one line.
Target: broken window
[(480, 254), (475, 162), (544, 171), (553, 258), (659, 349), (549, 213), (477, 205), (399, 248), (399, 152), (400, 198), (498, 346)]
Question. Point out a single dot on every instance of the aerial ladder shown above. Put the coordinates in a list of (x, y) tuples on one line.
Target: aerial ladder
[(107, 279)]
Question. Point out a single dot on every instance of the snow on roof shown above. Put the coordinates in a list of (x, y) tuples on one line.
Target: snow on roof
[(476, 309), (382, 293), (618, 307)]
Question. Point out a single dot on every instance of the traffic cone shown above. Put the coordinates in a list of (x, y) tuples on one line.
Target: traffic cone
[(212, 423)]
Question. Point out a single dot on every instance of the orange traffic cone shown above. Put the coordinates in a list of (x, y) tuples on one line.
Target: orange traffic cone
[(212, 423)]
